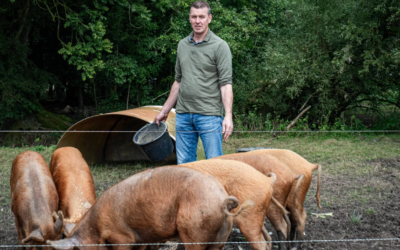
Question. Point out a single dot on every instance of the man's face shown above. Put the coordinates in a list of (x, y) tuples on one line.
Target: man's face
[(199, 19)]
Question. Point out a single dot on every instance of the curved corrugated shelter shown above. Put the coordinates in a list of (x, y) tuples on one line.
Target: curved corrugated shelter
[(113, 146)]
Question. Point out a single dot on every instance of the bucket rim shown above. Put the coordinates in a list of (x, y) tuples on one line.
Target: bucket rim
[(140, 131)]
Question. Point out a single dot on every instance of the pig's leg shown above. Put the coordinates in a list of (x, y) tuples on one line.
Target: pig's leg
[(180, 247), (193, 227), (275, 216), (140, 248), (20, 232), (298, 221), (222, 235), (293, 223), (297, 214), (300, 229), (251, 226), (195, 235), (195, 247), (119, 239)]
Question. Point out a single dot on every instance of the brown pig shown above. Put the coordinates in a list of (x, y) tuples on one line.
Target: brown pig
[(284, 187), (245, 183), (34, 200), (299, 166), (155, 206), (74, 183)]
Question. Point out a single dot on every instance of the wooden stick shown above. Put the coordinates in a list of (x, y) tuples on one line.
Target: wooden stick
[(160, 96), (297, 118)]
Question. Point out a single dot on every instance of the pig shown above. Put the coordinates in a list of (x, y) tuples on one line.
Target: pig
[(74, 183), (284, 188), (157, 205), (245, 183), (299, 166), (34, 200)]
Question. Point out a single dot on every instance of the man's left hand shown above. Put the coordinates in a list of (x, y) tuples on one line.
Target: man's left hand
[(227, 127)]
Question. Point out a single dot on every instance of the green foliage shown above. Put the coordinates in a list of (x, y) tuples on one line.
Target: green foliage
[(330, 55), (370, 211), (111, 104), (335, 56), (356, 217), (390, 122), (39, 148), (86, 52)]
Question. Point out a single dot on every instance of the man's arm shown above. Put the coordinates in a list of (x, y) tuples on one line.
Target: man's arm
[(169, 104), (173, 94), (227, 99), (224, 65)]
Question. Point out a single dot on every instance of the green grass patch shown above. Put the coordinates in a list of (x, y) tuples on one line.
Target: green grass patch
[(357, 163)]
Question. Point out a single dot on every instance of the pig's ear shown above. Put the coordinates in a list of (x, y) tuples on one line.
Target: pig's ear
[(35, 236), (86, 207), (61, 244), (58, 222), (68, 228)]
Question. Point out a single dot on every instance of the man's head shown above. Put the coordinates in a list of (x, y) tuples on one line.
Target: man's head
[(200, 16)]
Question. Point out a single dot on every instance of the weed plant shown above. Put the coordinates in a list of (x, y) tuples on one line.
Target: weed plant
[(356, 217), (253, 123)]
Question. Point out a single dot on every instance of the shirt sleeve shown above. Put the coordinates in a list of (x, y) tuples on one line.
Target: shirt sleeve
[(224, 64), (178, 70)]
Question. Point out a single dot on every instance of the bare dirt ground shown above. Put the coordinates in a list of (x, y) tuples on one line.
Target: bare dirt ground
[(360, 184), (362, 207)]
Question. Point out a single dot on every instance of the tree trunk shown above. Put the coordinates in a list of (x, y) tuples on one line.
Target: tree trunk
[(51, 92), (80, 97), (127, 98), (95, 96), (59, 93), (22, 26)]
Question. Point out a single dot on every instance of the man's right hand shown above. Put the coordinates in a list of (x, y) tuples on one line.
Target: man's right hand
[(169, 104), (161, 117)]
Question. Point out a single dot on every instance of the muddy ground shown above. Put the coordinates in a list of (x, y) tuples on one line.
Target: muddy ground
[(363, 206)]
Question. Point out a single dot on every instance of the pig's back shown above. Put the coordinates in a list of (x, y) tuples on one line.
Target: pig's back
[(264, 164), (33, 193), (156, 196), (294, 161), (239, 179), (74, 182)]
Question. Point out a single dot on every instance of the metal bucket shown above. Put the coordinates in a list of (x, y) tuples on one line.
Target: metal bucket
[(154, 141)]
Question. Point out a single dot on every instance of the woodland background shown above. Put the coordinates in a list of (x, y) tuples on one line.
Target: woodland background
[(341, 57)]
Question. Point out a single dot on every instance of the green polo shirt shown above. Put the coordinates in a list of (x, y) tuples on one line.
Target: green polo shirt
[(202, 68)]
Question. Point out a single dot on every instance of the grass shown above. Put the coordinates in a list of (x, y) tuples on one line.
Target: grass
[(348, 155), (355, 159), (370, 211), (356, 217)]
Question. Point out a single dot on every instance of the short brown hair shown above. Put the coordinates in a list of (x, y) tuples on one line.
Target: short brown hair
[(200, 5)]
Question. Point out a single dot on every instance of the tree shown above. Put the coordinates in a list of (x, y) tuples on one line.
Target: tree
[(332, 55)]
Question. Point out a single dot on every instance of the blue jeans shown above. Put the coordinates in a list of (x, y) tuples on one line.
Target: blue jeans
[(186, 142)]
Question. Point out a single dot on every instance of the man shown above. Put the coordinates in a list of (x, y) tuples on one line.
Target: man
[(202, 88)]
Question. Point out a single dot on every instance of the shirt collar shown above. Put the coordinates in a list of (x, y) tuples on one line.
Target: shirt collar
[(206, 38)]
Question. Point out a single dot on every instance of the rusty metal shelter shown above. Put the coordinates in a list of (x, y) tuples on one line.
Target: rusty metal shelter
[(98, 147)]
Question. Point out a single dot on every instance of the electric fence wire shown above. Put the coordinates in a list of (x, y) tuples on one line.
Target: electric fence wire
[(210, 243), (235, 131)]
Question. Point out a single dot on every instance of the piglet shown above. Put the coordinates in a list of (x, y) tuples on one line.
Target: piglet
[(299, 166), (34, 200), (286, 188), (74, 183), (245, 183), (155, 206)]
